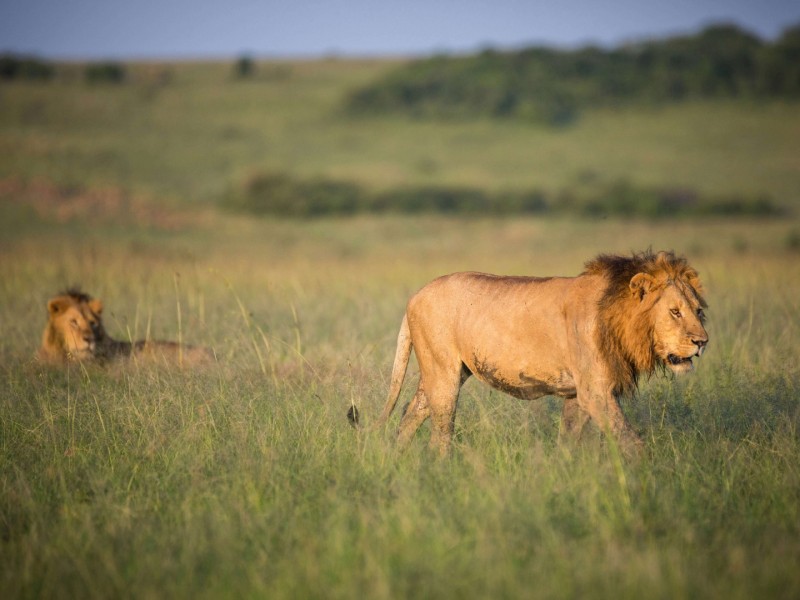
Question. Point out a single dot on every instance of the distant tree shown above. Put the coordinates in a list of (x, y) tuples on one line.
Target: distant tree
[(244, 67), (780, 68)]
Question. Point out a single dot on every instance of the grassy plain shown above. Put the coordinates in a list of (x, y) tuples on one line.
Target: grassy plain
[(244, 479), (190, 131)]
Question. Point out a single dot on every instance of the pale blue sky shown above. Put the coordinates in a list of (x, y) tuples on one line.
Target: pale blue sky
[(77, 29)]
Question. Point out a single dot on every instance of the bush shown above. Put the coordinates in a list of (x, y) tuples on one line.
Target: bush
[(244, 67), (105, 72), (278, 194), (433, 199), (621, 198), (793, 240)]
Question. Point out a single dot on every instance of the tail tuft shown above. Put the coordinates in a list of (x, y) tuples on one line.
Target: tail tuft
[(352, 416)]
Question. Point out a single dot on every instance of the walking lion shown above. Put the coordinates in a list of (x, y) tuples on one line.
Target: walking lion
[(586, 339)]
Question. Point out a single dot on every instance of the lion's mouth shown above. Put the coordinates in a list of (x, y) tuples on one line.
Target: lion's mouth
[(679, 361), (83, 353), (676, 360)]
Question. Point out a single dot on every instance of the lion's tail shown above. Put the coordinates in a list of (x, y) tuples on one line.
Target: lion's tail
[(401, 357)]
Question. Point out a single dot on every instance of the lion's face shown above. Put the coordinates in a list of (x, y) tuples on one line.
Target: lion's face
[(76, 325), (678, 332)]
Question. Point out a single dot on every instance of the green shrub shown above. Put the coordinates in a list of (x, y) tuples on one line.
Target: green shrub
[(621, 198), (244, 67), (278, 194), (793, 240), (438, 199), (105, 72)]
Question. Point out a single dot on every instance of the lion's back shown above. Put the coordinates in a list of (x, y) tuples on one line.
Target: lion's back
[(475, 294), (494, 312)]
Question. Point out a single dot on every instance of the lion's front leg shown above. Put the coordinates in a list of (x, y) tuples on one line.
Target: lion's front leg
[(573, 418), (604, 410)]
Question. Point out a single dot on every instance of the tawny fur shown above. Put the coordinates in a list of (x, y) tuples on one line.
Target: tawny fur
[(585, 339), (75, 332)]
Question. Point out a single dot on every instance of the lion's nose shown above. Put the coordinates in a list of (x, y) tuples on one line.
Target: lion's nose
[(700, 342)]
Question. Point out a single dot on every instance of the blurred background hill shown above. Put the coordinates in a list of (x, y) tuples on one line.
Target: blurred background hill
[(686, 110), (691, 125)]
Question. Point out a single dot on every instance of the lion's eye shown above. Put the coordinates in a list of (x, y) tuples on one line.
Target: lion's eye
[(676, 313), (701, 314), (74, 323)]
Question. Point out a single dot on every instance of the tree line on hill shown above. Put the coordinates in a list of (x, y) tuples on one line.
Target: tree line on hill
[(548, 85), (15, 67)]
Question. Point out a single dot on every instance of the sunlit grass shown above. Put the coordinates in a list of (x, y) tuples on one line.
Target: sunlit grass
[(245, 479)]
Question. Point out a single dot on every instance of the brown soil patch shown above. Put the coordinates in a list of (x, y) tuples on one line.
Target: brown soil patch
[(97, 205)]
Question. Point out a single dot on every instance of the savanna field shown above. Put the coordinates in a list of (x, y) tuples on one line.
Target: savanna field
[(244, 478)]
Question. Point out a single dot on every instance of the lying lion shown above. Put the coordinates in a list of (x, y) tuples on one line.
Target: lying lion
[(584, 338), (75, 332)]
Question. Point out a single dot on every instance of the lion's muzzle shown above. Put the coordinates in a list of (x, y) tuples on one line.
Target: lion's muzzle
[(684, 363), (701, 343)]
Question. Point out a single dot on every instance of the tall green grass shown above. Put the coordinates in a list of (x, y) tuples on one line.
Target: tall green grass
[(245, 480)]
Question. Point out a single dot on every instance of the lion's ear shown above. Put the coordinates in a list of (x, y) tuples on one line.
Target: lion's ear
[(96, 306), (57, 305), (641, 284)]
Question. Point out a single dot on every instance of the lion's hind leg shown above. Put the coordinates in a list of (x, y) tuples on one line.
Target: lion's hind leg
[(442, 399), (436, 400), (441, 373), (413, 417)]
